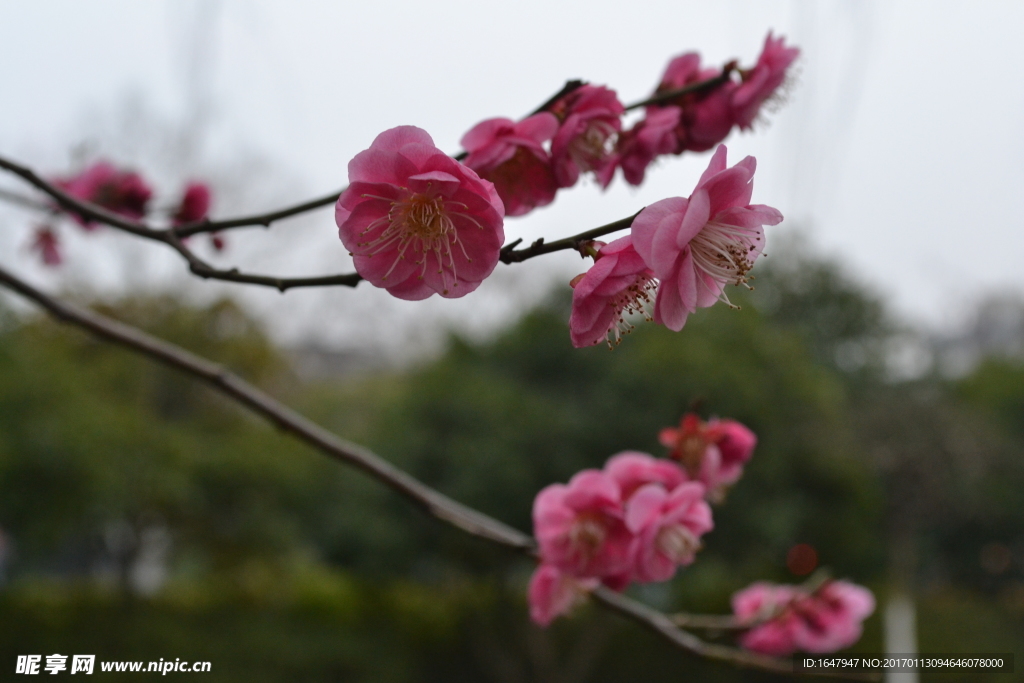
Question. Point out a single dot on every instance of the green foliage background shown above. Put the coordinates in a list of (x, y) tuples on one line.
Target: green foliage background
[(285, 566)]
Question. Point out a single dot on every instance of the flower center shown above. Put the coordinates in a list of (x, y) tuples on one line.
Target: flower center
[(419, 226), (726, 254), (587, 535), (677, 543), (637, 298), (590, 149)]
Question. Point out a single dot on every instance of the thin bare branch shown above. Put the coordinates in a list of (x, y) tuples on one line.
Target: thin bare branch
[(84, 209), (259, 219), (433, 502), (711, 622), (669, 95), (662, 625), (509, 254)]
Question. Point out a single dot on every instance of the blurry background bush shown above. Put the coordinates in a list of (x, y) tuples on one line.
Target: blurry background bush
[(145, 517)]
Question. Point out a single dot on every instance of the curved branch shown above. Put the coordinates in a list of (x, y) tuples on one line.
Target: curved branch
[(669, 95), (662, 624), (431, 501), (434, 502), (509, 254), (85, 209), (261, 219)]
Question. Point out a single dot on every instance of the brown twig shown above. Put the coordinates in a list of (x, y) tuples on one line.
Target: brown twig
[(259, 219), (662, 624), (431, 501), (205, 270), (509, 254), (669, 95)]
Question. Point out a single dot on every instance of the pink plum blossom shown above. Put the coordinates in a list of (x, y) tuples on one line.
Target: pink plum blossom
[(650, 138), (712, 452), (618, 284), (512, 156), (46, 243), (697, 246), (632, 470), (194, 205), (667, 528), (706, 115), (832, 616), (763, 81), (590, 121), (123, 192), (579, 526), (416, 221), (787, 618), (553, 593)]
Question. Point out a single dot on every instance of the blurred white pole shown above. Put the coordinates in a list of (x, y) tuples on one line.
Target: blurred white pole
[(900, 634)]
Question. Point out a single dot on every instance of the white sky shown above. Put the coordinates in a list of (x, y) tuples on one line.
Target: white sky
[(900, 149)]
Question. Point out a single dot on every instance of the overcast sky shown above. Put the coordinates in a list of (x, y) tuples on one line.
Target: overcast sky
[(900, 148)]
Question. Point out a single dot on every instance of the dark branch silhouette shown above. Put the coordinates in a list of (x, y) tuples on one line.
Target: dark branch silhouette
[(431, 501)]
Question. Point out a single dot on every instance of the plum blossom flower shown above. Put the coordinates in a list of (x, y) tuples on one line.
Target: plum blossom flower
[(194, 205), (46, 243), (650, 138), (123, 192), (697, 246), (712, 452), (667, 527), (762, 82), (825, 620), (706, 116), (579, 526), (512, 156), (618, 284), (416, 221), (590, 121), (632, 470), (553, 593), (764, 605)]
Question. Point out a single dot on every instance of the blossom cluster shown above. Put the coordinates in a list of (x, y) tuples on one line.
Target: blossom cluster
[(693, 108), (784, 619), (637, 520), (418, 224), (679, 256), (641, 518), (122, 192)]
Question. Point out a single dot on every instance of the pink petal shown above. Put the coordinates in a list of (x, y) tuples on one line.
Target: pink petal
[(663, 215), (697, 214), (717, 165), (644, 505)]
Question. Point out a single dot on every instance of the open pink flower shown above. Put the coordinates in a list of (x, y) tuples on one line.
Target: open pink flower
[(763, 81), (832, 617), (667, 527), (591, 120), (826, 620), (618, 284), (632, 470), (697, 246), (553, 593), (579, 526), (712, 452), (707, 115), (650, 138), (46, 243), (123, 192), (194, 205), (512, 156), (416, 221), (766, 605)]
